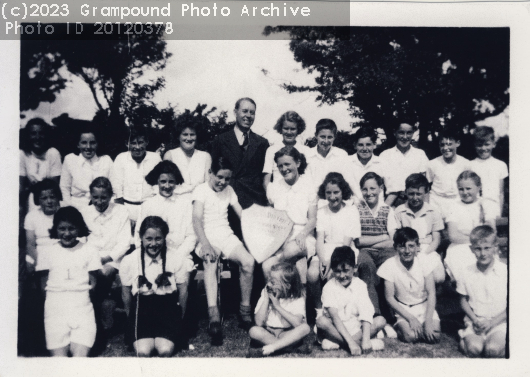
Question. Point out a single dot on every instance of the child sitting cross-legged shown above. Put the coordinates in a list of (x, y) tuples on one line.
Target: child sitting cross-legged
[(348, 318), (409, 290), (280, 313), (484, 289)]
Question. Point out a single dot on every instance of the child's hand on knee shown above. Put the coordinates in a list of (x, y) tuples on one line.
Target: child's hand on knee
[(268, 349), (209, 254), (416, 327)]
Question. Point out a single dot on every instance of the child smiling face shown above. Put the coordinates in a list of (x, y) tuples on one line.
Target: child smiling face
[(166, 185), (188, 139), (153, 240), (100, 198), (448, 148), (344, 274), (220, 180), (67, 234), (88, 145), (288, 168), (333, 196), (408, 251), (468, 190), (371, 191)]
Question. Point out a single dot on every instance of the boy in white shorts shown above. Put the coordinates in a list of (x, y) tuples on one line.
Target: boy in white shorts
[(348, 318), (216, 239), (484, 290), (409, 290)]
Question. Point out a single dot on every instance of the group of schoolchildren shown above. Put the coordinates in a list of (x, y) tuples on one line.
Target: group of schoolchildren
[(360, 222)]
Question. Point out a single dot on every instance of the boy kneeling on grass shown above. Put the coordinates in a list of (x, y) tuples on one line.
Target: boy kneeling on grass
[(410, 291), (348, 318), (484, 290)]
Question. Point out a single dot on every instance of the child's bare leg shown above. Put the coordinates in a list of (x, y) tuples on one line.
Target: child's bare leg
[(144, 347), (164, 347), (288, 338), (261, 335), (183, 294), (79, 350), (60, 352), (473, 345), (405, 333), (377, 325), (329, 331), (495, 345), (210, 282), (246, 267), (313, 282)]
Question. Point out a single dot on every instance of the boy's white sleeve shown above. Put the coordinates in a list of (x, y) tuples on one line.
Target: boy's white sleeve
[(354, 223), (385, 271), (44, 259), (233, 196), (391, 224), (29, 221), (190, 239), (461, 285), (430, 172), (329, 299), (365, 306)]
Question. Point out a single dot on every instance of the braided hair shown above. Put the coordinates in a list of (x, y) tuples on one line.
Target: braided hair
[(154, 222)]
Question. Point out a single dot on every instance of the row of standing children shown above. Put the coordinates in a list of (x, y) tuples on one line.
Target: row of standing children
[(299, 244)]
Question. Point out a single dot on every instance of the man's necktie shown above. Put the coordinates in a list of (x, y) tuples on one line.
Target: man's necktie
[(244, 146)]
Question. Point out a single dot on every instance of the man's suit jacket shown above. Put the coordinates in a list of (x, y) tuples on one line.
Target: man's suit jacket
[(247, 176)]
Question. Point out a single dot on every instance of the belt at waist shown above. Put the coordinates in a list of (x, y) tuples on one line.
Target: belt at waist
[(410, 306), (132, 203)]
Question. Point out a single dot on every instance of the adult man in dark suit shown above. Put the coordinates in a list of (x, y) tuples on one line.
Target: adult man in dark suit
[(246, 152)]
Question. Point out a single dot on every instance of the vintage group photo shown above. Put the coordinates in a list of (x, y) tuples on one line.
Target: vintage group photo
[(317, 192)]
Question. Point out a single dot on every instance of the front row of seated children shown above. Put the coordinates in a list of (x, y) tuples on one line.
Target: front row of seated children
[(151, 277)]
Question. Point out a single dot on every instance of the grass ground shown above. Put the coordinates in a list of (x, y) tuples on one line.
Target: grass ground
[(236, 341)]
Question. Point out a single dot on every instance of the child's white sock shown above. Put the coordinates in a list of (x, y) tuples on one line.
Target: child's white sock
[(329, 345), (377, 344), (390, 332)]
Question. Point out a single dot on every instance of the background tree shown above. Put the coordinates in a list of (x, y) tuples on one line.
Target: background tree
[(110, 66), (431, 76)]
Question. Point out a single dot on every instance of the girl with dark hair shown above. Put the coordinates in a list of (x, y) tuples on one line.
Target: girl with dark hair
[(176, 211), (338, 224), (37, 159), (70, 268), (80, 170), (192, 163), (151, 277), (295, 194)]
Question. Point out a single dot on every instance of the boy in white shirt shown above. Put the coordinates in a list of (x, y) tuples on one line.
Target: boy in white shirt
[(364, 160), (348, 318), (399, 162), (409, 290), (443, 171), (484, 290), (491, 171), (130, 169), (325, 158)]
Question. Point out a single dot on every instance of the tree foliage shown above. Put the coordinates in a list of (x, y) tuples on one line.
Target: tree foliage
[(432, 76), (113, 69)]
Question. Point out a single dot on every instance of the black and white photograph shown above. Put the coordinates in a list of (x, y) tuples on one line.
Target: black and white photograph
[(327, 191)]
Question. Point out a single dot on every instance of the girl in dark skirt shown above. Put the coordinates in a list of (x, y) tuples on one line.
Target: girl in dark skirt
[(150, 277)]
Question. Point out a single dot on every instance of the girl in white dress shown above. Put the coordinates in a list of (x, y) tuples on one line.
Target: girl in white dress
[(471, 211), (290, 126), (192, 163), (80, 170), (295, 194), (338, 224)]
